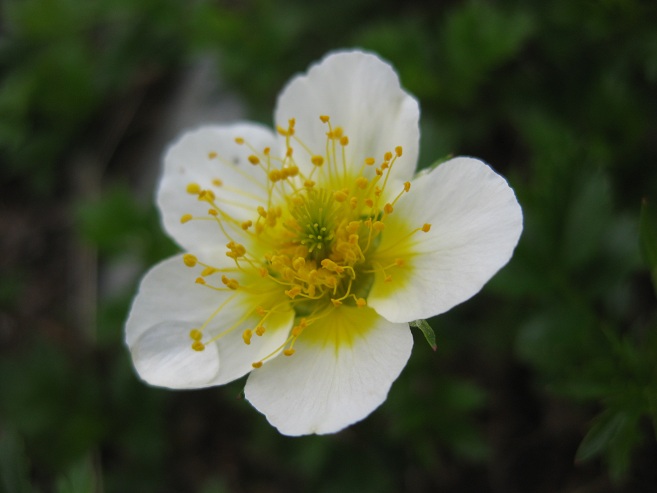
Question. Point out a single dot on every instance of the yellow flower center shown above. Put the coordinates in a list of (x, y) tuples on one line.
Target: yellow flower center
[(311, 245)]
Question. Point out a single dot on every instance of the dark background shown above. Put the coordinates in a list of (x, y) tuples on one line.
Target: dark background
[(544, 382)]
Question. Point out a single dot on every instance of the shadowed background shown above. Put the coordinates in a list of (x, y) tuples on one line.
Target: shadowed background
[(546, 381)]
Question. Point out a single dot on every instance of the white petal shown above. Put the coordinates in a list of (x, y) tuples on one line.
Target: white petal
[(163, 357), (476, 222), (170, 300), (341, 371), (168, 293), (362, 94), (189, 161)]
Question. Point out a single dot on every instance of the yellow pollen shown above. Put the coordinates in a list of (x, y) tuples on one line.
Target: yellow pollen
[(247, 224), (340, 196), (266, 151), (370, 161), (246, 336), (195, 334), (387, 156), (193, 188), (217, 182), (275, 175), (239, 140), (262, 212), (190, 260), (208, 271), (337, 133), (292, 292), (213, 212), (212, 155), (288, 352), (253, 159), (230, 283), (388, 208), (344, 141), (407, 186), (199, 280), (398, 151), (198, 346), (317, 160), (257, 364), (426, 227), (185, 218), (324, 118), (259, 330)]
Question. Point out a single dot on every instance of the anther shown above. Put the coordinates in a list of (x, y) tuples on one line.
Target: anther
[(360, 302), (407, 186), (288, 352), (195, 334), (378, 226), (198, 346), (246, 336), (217, 182), (190, 260), (259, 330), (361, 182), (212, 155), (388, 208), (340, 196), (426, 227), (370, 161), (398, 151), (193, 188), (185, 218), (317, 160), (247, 224), (239, 140), (344, 141), (199, 280), (253, 159), (387, 156), (257, 364), (324, 118)]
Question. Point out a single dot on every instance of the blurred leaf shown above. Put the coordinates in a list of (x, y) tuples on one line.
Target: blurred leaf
[(477, 37), (14, 467), (80, 478), (613, 435), (586, 220), (648, 238)]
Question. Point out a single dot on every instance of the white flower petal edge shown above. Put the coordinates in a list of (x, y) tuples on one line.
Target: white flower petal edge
[(203, 156), (336, 380), (362, 94), (162, 357), (161, 351), (476, 222)]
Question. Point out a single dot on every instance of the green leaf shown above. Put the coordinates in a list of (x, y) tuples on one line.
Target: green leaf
[(648, 238), (426, 329), (13, 464), (80, 478), (614, 434)]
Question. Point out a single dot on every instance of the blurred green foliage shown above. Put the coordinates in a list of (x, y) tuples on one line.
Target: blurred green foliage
[(559, 96)]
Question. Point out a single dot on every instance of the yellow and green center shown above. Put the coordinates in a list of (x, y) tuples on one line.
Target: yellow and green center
[(311, 246)]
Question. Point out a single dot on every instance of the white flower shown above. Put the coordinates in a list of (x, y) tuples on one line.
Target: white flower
[(310, 249)]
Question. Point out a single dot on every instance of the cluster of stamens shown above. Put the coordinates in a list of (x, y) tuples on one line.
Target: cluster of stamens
[(320, 227)]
